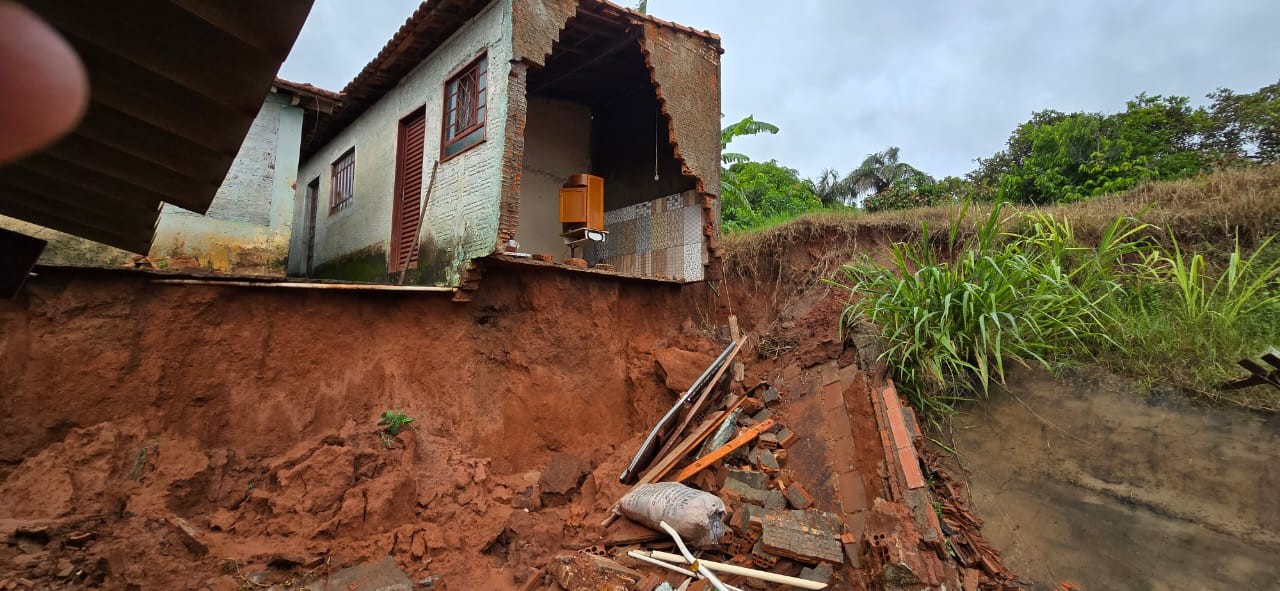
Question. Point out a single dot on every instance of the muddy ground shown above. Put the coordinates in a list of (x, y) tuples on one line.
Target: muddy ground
[(1085, 479)]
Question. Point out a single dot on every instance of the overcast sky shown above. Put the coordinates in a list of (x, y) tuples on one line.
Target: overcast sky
[(945, 80)]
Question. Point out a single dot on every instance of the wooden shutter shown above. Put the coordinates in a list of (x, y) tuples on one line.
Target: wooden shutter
[(407, 212)]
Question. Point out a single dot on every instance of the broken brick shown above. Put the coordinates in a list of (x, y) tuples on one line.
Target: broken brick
[(818, 574), (751, 478), (766, 461), (804, 536), (786, 437), (770, 395), (762, 415), (738, 490), (762, 558), (798, 497), (775, 500)]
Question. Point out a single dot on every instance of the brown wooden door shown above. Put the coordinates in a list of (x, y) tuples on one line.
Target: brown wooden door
[(406, 215)]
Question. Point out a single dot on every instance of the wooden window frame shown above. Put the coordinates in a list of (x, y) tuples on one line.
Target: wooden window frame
[(464, 135), (336, 205)]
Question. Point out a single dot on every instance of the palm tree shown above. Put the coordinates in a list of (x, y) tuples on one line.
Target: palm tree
[(728, 182), (879, 171), (830, 188), (747, 126)]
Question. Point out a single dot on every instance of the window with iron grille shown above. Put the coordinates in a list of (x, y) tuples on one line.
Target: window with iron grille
[(464, 108), (342, 182)]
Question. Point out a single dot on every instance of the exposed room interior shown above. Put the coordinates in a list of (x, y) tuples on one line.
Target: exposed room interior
[(593, 109)]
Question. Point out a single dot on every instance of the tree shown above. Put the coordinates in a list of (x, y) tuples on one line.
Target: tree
[(830, 189), (1058, 157), (770, 191), (746, 126), (730, 194), (1245, 126), (879, 171)]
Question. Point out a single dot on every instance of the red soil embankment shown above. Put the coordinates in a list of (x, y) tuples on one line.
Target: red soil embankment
[(250, 414)]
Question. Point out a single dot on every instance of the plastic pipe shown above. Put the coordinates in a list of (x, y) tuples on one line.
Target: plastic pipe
[(638, 555), (694, 565), (733, 569)]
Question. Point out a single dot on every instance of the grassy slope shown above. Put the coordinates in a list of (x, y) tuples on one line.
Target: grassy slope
[(1206, 214), (1203, 210)]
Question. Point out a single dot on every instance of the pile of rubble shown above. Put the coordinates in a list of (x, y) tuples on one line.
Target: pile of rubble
[(765, 530)]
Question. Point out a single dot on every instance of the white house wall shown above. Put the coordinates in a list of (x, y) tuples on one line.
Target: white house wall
[(557, 144), (246, 229), (461, 218)]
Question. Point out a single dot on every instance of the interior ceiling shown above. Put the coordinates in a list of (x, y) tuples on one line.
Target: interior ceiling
[(175, 85), (596, 61)]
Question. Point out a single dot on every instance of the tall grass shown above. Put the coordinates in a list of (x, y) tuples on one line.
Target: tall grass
[(953, 313), (950, 326)]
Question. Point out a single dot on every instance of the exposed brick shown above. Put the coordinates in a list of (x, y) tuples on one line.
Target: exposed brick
[(766, 461), (762, 558), (743, 492), (751, 478), (821, 573), (536, 26), (685, 70), (786, 437), (513, 153), (810, 537), (798, 497)]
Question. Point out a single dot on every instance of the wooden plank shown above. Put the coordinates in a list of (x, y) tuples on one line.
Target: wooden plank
[(733, 328), (704, 431), (719, 454), (701, 401), (664, 464)]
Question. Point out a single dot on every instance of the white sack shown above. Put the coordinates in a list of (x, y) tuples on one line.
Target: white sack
[(698, 516)]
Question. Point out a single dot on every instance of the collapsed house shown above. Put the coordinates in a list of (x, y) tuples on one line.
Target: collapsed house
[(458, 140), (571, 131)]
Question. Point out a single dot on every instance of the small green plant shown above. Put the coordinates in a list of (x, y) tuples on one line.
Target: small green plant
[(394, 420)]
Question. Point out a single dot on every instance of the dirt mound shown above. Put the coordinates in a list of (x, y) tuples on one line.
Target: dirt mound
[(216, 436)]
